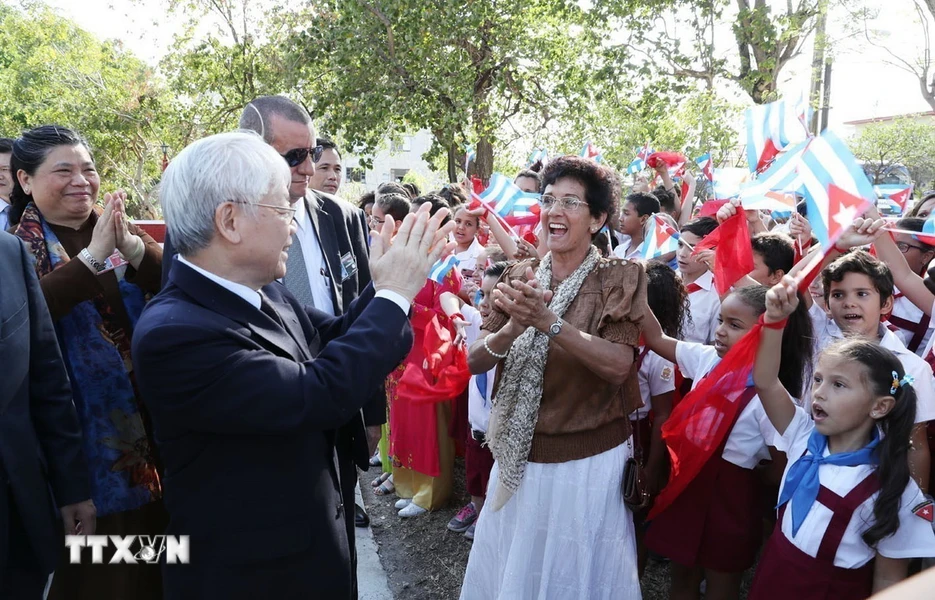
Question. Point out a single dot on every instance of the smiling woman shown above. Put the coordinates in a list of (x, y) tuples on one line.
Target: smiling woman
[(96, 270), (559, 432)]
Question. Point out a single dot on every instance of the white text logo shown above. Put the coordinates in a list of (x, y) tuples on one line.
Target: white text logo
[(130, 549)]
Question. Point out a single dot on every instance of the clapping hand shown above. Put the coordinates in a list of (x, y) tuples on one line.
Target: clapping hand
[(525, 303), (402, 264), (781, 300)]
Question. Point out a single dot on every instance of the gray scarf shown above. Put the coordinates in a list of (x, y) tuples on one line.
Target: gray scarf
[(516, 405)]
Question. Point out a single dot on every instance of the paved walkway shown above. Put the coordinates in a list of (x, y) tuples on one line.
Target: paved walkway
[(371, 578)]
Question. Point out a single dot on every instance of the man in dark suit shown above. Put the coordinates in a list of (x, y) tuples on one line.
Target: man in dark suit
[(40, 437), (327, 268), (246, 385)]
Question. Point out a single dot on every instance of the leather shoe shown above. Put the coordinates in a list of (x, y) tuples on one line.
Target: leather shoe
[(361, 518)]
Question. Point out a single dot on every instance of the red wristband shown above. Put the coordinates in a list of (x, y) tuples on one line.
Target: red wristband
[(457, 315), (841, 250), (776, 325)]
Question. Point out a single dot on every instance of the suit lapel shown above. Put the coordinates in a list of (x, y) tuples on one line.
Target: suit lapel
[(323, 223), (266, 332)]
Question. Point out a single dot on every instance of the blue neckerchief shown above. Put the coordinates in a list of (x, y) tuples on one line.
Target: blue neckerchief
[(481, 380), (802, 481)]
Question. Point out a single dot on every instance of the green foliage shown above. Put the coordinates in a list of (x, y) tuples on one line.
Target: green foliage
[(905, 141), (52, 72)]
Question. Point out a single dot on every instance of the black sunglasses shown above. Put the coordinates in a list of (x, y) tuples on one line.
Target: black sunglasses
[(297, 156)]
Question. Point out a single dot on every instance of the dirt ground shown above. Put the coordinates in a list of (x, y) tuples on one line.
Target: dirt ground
[(425, 561)]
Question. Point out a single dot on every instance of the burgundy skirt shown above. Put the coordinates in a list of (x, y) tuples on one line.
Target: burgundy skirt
[(811, 578), (716, 523), (478, 461)]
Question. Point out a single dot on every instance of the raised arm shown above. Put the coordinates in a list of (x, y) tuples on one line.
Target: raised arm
[(688, 202), (781, 301), (655, 339)]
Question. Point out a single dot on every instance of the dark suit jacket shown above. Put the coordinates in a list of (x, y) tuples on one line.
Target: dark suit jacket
[(40, 436), (244, 412), (342, 228)]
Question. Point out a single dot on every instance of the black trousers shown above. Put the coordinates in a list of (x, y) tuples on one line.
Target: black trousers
[(20, 574), (348, 474)]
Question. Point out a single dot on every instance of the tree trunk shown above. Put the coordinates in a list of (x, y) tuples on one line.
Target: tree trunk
[(818, 61), (483, 163), (453, 163)]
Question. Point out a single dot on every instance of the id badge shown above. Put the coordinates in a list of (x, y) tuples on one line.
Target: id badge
[(348, 266)]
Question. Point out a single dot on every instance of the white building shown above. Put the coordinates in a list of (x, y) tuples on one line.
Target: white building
[(393, 162)]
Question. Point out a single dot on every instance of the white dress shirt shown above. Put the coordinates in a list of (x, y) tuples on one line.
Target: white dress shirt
[(314, 260), (4, 215)]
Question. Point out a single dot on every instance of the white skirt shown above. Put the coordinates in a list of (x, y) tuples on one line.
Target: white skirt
[(566, 533)]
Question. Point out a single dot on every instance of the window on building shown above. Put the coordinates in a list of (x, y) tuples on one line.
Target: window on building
[(402, 145), (356, 174), (397, 175)]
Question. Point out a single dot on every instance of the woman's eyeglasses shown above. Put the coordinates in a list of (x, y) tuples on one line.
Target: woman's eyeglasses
[(904, 247), (374, 222), (569, 203), (297, 156)]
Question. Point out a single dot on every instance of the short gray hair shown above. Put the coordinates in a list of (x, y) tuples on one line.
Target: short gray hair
[(257, 113), (227, 167)]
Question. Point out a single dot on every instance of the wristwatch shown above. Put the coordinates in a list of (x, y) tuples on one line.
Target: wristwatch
[(555, 328), (98, 265)]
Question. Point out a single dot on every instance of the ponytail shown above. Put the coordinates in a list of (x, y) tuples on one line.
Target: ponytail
[(893, 468)]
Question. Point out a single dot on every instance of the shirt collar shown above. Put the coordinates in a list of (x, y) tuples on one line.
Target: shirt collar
[(250, 296), (301, 214), (891, 342)]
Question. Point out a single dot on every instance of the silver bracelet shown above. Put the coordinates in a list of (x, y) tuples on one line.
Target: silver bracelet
[(491, 352)]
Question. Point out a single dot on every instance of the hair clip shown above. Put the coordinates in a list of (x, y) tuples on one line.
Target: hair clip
[(898, 383)]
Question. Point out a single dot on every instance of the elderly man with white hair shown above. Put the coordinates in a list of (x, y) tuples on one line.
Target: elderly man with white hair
[(245, 385)]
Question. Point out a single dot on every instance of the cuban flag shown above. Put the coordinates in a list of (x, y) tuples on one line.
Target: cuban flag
[(772, 127), (661, 239), (441, 268), (537, 155), (836, 189), (592, 152), (507, 199), (706, 164), (896, 194), (775, 189), (728, 181), (639, 163)]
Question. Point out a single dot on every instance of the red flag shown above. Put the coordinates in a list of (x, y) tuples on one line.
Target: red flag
[(443, 374), (670, 159), (710, 207), (733, 253), (703, 419)]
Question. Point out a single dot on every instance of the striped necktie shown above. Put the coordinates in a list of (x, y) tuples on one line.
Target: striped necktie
[(296, 278)]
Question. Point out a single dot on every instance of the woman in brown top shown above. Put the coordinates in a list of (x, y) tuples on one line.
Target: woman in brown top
[(96, 271), (564, 333)]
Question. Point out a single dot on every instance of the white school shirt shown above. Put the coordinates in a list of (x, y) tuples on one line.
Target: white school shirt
[(656, 377), (913, 539), (747, 441), (625, 249), (905, 309), (314, 259), (924, 384), (478, 407), (704, 306), (467, 260)]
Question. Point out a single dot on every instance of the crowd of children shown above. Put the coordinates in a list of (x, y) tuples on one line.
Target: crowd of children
[(824, 450)]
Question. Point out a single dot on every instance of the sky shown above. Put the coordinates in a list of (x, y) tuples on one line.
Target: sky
[(863, 85)]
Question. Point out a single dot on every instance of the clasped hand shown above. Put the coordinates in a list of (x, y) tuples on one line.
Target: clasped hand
[(526, 303), (111, 231), (402, 263)]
